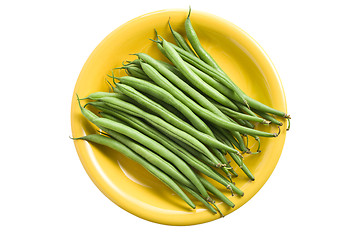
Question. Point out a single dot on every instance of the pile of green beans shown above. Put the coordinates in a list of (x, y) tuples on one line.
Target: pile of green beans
[(178, 119)]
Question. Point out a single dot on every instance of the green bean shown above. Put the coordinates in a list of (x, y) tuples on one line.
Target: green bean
[(147, 130), (246, 123), (173, 69), (164, 104), (156, 91), (206, 57), (198, 197), (238, 115), (219, 178), (128, 99), (215, 84), (181, 42), (195, 43), (232, 139), (236, 158), (152, 119), (268, 117), (245, 109), (97, 95), (214, 72), (216, 192), (150, 143), (163, 95), (197, 62), (163, 82), (168, 143), (165, 64), (150, 156), (102, 140), (195, 79), (243, 148), (135, 71), (170, 79), (160, 124), (133, 62), (170, 118), (208, 110), (224, 79)]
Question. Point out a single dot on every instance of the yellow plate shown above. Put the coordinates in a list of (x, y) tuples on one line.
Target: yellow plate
[(125, 182)]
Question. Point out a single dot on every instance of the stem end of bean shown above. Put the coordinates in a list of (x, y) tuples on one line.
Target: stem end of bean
[(229, 187)]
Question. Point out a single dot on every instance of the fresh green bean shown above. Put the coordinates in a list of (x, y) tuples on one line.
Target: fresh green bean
[(171, 118), (163, 95), (181, 42), (165, 64), (102, 140), (168, 143), (150, 143), (232, 139), (135, 71), (160, 124), (216, 192), (195, 43), (195, 79), (97, 95), (238, 115), (208, 110), (150, 156), (215, 72), (203, 66), (156, 91), (133, 62), (215, 84), (246, 122), (236, 158), (268, 117), (224, 79), (164, 104), (220, 178), (170, 79)]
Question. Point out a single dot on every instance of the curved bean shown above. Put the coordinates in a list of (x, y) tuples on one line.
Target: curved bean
[(111, 143), (181, 42)]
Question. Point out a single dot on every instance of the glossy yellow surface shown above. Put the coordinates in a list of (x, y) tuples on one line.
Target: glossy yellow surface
[(126, 183)]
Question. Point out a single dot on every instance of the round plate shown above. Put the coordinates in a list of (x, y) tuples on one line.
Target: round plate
[(125, 182)]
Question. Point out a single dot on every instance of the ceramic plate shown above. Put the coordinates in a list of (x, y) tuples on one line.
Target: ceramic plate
[(126, 183)]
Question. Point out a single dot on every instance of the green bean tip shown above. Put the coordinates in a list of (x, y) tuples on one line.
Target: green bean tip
[(157, 41), (72, 138), (188, 16)]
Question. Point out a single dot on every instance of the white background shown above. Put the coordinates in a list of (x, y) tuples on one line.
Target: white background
[(314, 190)]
